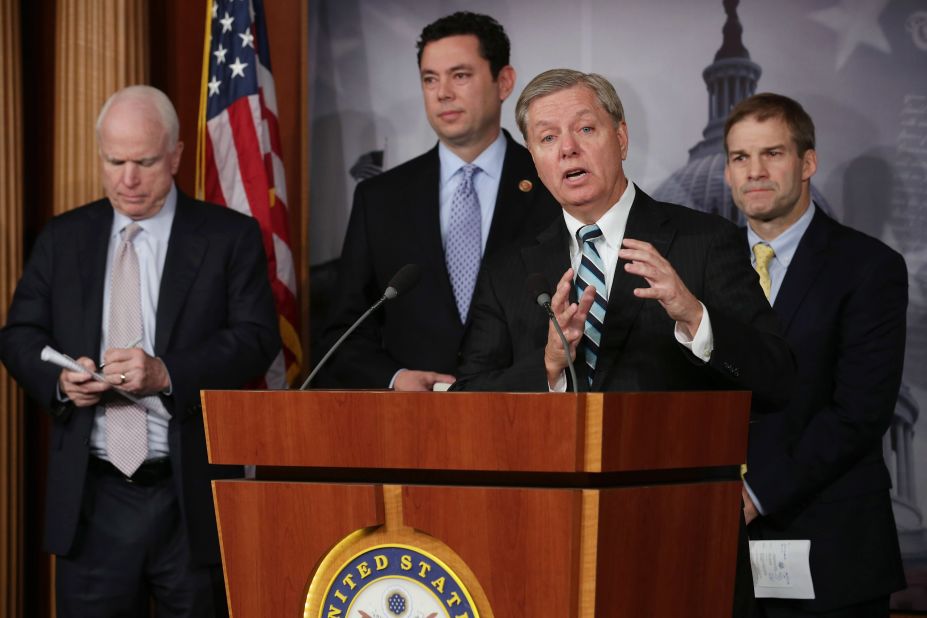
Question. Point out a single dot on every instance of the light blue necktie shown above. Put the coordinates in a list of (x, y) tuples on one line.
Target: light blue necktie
[(464, 241), (591, 272)]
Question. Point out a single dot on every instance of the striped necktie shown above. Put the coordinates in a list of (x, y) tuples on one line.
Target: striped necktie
[(591, 272)]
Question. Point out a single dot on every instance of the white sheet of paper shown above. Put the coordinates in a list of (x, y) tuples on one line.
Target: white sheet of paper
[(781, 569)]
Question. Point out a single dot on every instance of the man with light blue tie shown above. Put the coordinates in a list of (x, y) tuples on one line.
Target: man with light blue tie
[(472, 194), (815, 466)]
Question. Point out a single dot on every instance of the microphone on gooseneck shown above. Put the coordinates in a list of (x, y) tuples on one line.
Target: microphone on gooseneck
[(404, 280), (537, 286)]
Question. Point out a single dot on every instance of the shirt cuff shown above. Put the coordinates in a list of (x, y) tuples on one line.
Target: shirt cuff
[(393, 379), (560, 385), (704, 341), (756, 501), (167, 392)]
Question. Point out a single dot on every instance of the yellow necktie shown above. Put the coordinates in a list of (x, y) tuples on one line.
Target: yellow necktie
[(763, 253)]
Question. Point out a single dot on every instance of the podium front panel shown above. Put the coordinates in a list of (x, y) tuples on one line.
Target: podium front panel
[(664, 550)]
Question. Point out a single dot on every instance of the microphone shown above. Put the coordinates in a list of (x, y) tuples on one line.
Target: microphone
[(537, 286), (404, 280)]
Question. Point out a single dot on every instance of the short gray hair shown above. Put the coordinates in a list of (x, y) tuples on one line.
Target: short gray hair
[(151, 95), (556, 80)]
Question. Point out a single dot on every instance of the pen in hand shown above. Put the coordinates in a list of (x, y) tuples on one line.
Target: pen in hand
[(134, 344)]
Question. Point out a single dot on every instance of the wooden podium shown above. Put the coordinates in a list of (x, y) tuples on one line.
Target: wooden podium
[(561, 505)]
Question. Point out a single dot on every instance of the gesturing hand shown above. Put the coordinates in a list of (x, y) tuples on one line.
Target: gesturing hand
[(572, 320), (665, 284)]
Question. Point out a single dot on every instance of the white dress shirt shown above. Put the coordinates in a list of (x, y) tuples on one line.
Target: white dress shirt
[(151, 247)]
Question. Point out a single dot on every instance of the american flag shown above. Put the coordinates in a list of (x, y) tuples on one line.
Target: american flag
[(239, 161)]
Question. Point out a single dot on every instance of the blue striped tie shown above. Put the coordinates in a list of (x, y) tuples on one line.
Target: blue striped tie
[(591, 272)]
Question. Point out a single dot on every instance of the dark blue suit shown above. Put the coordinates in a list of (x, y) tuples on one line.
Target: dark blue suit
[(395, 221), (216, 328), (817, 466), (504, 346)]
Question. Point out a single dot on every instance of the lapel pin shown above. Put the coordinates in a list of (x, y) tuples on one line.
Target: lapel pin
[(525, 185)]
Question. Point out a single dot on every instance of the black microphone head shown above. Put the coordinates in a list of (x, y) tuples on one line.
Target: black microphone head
[(404, 280), (537, 287)]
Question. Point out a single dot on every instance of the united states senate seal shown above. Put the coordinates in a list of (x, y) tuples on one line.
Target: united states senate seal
[(396, 581)]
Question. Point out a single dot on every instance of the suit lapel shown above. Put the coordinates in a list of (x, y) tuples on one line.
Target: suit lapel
[(646, 222), (809, 260), (551, 258), (424, 207), (513, 205), (424, 210), (93, 244), (185, 252)]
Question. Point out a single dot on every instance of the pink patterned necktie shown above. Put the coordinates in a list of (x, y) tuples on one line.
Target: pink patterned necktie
[(126, 422)]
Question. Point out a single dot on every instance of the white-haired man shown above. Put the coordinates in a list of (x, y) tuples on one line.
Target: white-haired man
[(164, 296)]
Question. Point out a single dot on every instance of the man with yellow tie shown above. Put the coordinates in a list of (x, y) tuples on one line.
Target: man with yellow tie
[(815, 468)]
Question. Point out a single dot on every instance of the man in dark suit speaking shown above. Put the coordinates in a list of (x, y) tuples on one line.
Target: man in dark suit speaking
[(164, 296), (662, 300), (815, 469), (471, 195)]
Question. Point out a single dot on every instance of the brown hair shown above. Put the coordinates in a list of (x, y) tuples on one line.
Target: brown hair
[(768, 105)]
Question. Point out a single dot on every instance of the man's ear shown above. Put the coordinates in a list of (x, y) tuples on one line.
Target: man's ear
[(622, 131), (809, 164), (506, 81), (175, 157)]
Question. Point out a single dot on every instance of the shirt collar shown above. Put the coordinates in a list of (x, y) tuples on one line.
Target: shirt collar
[(159, 225), (489, 161), (612, 223), (785, 244)]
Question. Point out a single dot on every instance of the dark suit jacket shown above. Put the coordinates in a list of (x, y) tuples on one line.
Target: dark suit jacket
[(395, 221), (216, 328), (817, 466), (504, 346)]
